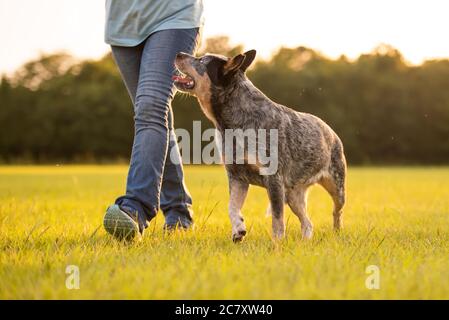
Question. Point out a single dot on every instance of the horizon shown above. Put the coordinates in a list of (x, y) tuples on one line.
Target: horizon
[(347, 28)]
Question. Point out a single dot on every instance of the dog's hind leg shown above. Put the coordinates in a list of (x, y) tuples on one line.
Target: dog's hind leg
[(334, 183), (275, 190), (238, 191), (337, 193), (297, 200)]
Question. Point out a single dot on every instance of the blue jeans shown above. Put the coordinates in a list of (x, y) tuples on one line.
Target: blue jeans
[(154, 179)]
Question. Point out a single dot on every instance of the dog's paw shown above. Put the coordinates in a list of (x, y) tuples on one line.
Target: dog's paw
[(307, 232), (278, 228), (238, 236), (278, 235), (338, 223)]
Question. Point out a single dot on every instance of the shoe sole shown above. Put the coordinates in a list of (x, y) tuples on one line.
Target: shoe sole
[(119, 224)]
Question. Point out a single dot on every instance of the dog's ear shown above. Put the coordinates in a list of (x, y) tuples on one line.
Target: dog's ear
[(233, 64), (249, 58)]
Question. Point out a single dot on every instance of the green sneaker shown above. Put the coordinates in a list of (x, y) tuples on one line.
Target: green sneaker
[(120, 225)]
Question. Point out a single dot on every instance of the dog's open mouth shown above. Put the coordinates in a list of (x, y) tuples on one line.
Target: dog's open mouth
[(184, 81)]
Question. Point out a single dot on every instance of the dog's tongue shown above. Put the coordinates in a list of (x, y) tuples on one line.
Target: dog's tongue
[(180, 79)]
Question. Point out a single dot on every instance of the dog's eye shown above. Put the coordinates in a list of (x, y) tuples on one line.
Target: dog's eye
[(201, 61)]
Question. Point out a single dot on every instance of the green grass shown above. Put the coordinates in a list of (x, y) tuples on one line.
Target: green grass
[(396, 218)]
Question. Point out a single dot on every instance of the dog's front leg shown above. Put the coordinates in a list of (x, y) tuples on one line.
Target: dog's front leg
[(275, 190), (238, 191)]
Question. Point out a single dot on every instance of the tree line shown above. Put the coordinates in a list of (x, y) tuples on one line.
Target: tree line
[(385, 110)]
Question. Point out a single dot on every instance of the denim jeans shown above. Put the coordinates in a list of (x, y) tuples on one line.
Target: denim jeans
[(154, 179)]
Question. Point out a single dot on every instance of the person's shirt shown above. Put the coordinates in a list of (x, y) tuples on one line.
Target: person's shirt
[(130, 22)]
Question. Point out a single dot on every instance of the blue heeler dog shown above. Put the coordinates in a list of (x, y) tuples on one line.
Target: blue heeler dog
[(308, 150)]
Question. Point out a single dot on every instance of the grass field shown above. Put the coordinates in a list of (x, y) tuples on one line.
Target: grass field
[(396, 219)]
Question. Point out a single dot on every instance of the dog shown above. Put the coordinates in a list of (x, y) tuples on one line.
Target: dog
[(308, 150)]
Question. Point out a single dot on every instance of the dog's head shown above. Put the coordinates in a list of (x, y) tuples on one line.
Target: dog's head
[(201, 75)]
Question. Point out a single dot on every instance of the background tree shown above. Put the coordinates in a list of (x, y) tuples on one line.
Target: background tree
[(385, 110)]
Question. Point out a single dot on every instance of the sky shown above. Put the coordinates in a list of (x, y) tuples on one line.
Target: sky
[(418, 28)]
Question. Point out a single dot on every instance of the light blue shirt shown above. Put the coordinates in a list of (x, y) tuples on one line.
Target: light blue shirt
[(130, 22)]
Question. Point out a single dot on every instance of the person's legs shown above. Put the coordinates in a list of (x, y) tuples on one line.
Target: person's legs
[(149, 83), (128, 61), (175, 201)]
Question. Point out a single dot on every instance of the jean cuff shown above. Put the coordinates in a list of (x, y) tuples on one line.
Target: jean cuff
[(178, 218)]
